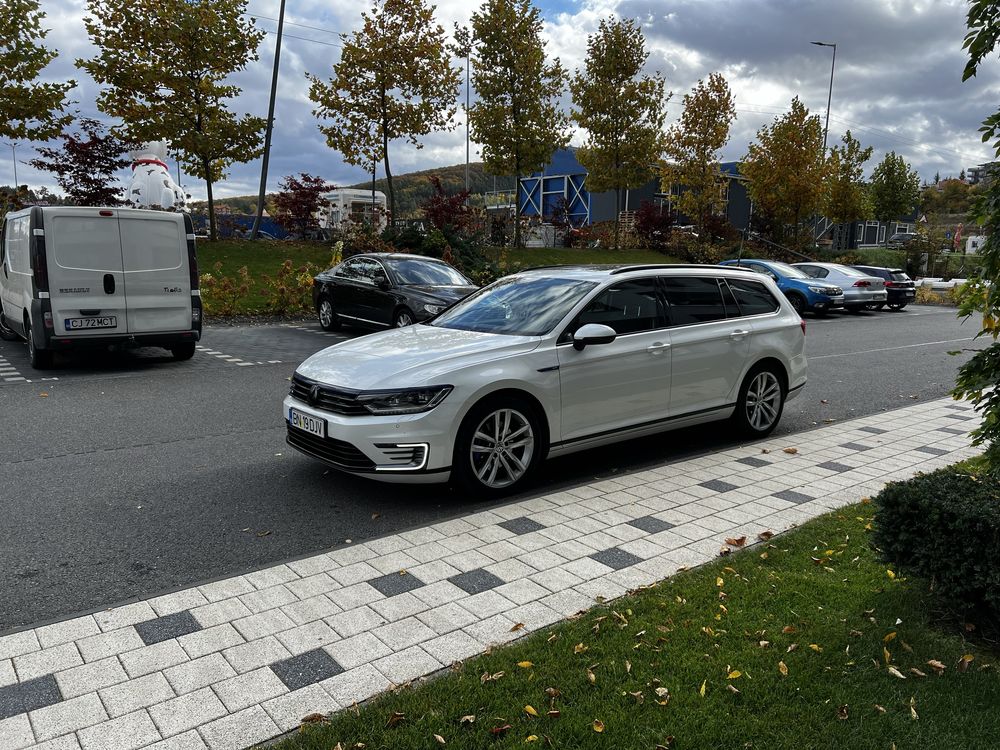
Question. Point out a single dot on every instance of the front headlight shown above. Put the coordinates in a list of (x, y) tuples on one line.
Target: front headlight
[(433, 309), (407, 401), (819, 290)]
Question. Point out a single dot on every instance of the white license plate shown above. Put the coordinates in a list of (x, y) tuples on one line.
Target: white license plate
[(307, 422), (107, 321)]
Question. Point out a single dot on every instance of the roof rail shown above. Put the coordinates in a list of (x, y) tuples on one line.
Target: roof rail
[(654, 266)]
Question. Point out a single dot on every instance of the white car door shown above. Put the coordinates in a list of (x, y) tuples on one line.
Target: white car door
[(606, 387), (708, 348)]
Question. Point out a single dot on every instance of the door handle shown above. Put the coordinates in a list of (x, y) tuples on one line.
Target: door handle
[(657, 347), (738, 334), (109, 283)]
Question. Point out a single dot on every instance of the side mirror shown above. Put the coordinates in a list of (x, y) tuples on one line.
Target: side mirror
[(593, 333), (381, 282)]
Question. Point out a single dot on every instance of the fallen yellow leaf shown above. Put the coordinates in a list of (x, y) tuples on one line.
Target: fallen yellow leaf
[(531, 738), (525, 664), (783, 668), (598, 725), (815, 648), (891, 574), (701, 690), (734, 675), (579, 648), (896, 673), (889, 637), (530, 710)]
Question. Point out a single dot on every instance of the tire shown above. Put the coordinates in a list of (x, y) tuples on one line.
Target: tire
[(798, 302), (6, 332), (403, 317), (182, 352), (487, 467), (760, 403), (897, 306), (40, 359), (328, 319)]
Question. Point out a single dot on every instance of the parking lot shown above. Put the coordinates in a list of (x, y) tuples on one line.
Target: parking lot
[(128, 475)]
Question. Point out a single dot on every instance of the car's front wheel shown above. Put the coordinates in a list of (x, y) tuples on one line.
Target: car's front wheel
[(499, 445), (798, 302), (403, 317), (761, 400), (328, 319)]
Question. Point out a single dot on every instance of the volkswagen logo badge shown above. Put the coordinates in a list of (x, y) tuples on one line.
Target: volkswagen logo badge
[(314, 394)]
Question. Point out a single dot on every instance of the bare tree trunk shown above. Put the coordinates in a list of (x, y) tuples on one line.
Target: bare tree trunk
[(618, 216), (212, 231)]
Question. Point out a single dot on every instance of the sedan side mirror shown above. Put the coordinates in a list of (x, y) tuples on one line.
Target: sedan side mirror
[(593, 333), (382, 282)]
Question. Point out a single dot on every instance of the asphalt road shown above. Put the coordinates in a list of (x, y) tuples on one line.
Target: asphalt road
[(129, 476)]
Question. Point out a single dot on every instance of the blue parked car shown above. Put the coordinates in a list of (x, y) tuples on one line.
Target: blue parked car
[(804, 292)]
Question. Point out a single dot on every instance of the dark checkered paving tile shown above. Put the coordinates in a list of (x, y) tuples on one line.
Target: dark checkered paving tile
[(751, 461), (650, 524), (857, 447), (931, 450), (957, 407), (718, 485), (952, 430), (792, 496), (306, 669), (873, 430), (167, 627), (615, 558), (476, 581), (955, 416), (834, 466), (396, 583), (22, 697), (520, 525)]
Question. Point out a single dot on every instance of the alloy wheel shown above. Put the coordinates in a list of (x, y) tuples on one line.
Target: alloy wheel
[(763, 401), (502, 448), (403, 319), (325, 313)]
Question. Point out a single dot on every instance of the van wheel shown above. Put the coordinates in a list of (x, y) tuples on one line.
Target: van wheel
[(40, 359), (761, 400), (498, 447), (328, 319), (6, 332), (182, 351)]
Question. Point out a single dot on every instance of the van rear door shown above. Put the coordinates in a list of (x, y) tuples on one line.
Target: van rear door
[(157, 279), (86, 276)]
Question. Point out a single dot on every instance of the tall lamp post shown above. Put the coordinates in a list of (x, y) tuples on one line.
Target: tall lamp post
[(829, 96), (265, 157), (13, 156)]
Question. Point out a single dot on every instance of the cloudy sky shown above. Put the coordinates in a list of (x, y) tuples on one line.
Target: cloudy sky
[(897, 84)]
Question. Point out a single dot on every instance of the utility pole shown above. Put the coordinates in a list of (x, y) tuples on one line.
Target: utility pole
[(13, 156), (269, 126), (829, 96)]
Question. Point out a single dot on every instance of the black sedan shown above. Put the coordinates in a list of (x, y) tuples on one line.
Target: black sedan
[(900, 289), (384, 290)]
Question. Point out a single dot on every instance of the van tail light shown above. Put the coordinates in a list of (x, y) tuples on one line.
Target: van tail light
[(862, 283), (802, 325), (41, 268)]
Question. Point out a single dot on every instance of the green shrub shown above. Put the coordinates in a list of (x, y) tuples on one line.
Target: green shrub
[(290, 289), (944, 526), (220, 294)]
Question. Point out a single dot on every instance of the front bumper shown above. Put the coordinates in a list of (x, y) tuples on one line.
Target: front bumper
[(860, 298), (405, 448), (818, 302)]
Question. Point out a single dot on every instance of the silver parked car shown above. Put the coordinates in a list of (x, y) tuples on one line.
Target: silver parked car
[(860, 289)]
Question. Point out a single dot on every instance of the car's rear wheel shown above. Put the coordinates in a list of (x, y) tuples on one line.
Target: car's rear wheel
[(6, 332), (328, 319), (403, 317), (499, 445), (183, 351), (761, 400), (40, 359), (896, 305)]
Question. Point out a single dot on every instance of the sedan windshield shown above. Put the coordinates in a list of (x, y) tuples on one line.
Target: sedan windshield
[(412, 271), (516, 305)]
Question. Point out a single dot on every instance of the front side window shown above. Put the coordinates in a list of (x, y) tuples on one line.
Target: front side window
[(753, 297), (516, 305), (629, 307), (350, 269), (693, 299)]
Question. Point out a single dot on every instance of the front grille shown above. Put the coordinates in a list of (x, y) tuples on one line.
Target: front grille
[(326, 398), (335, 452)]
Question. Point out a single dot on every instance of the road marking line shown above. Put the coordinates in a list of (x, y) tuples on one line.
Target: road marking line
[(891, 348)]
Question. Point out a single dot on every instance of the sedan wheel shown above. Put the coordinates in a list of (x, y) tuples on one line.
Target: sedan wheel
[(328, 319), (498, 447), (762, 399), (403, 318)]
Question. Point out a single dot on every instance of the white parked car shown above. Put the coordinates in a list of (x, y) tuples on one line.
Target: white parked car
[(861, 290), (546, 362)]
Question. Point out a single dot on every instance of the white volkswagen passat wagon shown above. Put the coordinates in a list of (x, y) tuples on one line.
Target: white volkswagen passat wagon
[(546, 362)]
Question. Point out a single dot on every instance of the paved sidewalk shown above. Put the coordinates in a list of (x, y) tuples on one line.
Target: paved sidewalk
[(227, 664)]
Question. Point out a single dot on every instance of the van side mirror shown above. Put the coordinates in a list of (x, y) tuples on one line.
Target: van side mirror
[(593, 333)]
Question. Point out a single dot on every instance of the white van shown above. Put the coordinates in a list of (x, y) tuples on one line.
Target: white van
[(73, 277)]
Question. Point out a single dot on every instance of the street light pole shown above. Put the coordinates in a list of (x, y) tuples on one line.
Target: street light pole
[(269, 126), (829, 96), (13, 156)]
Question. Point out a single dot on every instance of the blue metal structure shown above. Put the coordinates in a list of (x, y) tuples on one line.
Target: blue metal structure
[(563, 179)]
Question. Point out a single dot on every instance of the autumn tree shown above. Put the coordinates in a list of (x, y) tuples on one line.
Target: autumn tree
[(517, 120), (786, 170), (394, 80), (164, 66), (894, 189), (693, 146), (29, 108), (847, 197), (85, 164), (621, 111), (297, 202)]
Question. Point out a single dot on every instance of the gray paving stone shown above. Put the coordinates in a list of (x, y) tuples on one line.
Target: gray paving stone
[(112, 643), (393, 584), (449, 616), (15, 732), (256, 654), (91, 677), (153, 658), (248, 689), (66, 742), (452, 647), (859, 447), (406, 665), (129, 732), (263, 624), (68, 716), (47, 661), (307, 637), (23, 697), (521, 525), (718, 485), (476, 581), (792, 496), (355, 621), (216, 613), (306, 669), (188, 741), (360, 649), (169, 626), (287, 711), (650, 524), (210, 640), (17, 644), (187, 712), (126, 697), (7, 674), (930, 450), (403, 633), (178, 601), (66, 631), (194, 675), (356, 685), (310, 610), (616, 558), (121, 617), (271, 598)]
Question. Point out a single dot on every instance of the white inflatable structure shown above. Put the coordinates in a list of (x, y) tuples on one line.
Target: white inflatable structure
[(151, 185)]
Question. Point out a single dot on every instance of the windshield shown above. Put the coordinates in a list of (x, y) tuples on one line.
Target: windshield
[(790, 271), (516, 305), (412, 271)]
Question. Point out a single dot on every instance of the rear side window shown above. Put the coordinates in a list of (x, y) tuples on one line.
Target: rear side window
[(629, 307), (693, 299), (16, 244), (754, 297), (86, 243), (151, 245)]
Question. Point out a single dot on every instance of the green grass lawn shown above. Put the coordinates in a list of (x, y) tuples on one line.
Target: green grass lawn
[(787, 644)]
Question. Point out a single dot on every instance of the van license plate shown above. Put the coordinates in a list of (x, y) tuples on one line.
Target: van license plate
[(307, 422), (75, 324)]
